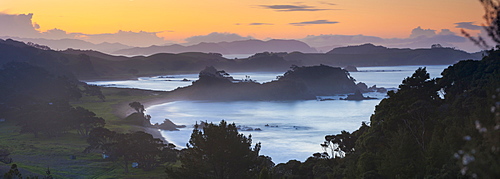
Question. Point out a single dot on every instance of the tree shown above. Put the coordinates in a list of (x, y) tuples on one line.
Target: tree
[(339, 145), (50, 119), (219, 151), (4, 155), (84, 121), (25, 84), (55, 118), (126, 148), (13, 173), (137, 106), (94, 90)]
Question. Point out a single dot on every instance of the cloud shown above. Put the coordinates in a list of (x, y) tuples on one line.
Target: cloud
[(425, 38), (327, 3), (216, 37), (18, 25), (313, 22), (292, 8), (260, 23), (417, 32), (58, 34), (446, 32), (468, 25), (21, 25)]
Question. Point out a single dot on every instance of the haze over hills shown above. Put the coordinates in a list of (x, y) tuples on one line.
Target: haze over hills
[(63, 44), (367, 48), (251, 46), (231, 44), (88, 64), (371, 55)]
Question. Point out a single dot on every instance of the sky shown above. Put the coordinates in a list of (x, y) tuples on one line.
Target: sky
[(173, 21)]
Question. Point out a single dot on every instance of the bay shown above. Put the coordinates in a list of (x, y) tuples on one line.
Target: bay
[(295, 128)]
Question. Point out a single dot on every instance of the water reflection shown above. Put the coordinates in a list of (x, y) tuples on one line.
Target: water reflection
[(298, 126)]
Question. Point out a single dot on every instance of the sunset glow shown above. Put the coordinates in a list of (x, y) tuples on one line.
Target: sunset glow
[(176, 20)]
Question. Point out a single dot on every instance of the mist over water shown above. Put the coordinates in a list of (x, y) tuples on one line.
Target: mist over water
[(298, 127), (238, 56), (388, 77)]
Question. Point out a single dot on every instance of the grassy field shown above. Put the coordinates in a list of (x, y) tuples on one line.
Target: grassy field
[(34, 155)]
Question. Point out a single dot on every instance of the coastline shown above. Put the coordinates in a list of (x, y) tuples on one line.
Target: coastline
[(122, 110)]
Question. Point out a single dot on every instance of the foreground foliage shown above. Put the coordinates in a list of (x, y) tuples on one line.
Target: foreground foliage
[(138, 147), (446, 128), (219, 151)]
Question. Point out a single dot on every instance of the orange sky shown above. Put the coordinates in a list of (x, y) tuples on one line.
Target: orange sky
[(181, 19)]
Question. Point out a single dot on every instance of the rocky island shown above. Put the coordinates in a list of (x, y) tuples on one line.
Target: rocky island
[(298, 83)]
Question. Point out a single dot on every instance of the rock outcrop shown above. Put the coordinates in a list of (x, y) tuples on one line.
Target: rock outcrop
[(296, 84)]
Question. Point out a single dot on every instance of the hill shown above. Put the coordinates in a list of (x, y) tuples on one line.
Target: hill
[(235, 47), (94, 65), (371, 55), (366, 49), (296, 84), (63, 44)]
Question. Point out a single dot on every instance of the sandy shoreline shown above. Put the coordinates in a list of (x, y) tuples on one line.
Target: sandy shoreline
[(122, 110)]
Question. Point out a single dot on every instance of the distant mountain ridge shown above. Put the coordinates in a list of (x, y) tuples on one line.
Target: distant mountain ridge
[(236, 47), (92, 65), (63, 44), (371, 55), (367, 48)]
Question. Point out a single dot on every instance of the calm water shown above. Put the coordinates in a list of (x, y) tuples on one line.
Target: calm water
[(299, 126), (389, 77)]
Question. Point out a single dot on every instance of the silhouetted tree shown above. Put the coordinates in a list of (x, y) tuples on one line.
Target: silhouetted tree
[(126, 148), (4, 155), (94, 90), (51, 119), (25, 84), (137, 106), (99, 138), (340, 144), (84, 121), (219, 151), (13, 173)]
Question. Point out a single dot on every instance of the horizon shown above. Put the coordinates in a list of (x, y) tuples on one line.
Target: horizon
[(403, 24)]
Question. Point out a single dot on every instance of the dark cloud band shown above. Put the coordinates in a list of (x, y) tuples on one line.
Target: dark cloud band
[(257, 23), (291, 8), (313, 22), (468, 25)]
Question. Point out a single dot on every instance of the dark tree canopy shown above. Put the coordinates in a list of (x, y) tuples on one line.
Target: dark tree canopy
[(23, 83), (55, 118), (50, 119), (137, 106), (219, 151), (84, 121), (138, 147)]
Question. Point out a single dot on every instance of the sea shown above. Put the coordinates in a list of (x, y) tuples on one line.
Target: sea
[(287, 130)]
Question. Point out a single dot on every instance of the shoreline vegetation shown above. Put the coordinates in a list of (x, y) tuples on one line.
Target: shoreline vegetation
[(414, 117), (119, 105), (212, 81)]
